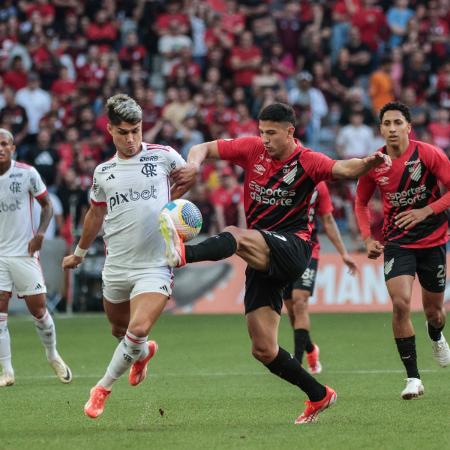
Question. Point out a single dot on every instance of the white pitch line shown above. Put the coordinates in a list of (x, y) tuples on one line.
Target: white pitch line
[(231, 374)]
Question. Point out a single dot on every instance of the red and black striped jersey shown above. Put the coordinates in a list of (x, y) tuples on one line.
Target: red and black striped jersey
[(411, 183), (320, 205), (277, 194)]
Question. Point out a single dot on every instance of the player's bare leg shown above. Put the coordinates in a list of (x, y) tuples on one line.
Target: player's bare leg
[(400, 290), (46, 331), (7, 375), (433, 306), (144, 310), (119, 317), (262, 325)]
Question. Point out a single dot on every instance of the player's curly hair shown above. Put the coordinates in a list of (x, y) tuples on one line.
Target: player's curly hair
[(395, 106), (122, 108), (278, 112)]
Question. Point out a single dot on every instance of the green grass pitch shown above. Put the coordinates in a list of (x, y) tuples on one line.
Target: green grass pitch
[(205, 391)]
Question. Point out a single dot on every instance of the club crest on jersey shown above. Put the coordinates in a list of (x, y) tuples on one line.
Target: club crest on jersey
[(259, 169), (290, 175), (15, 187), (149, 170), (416, 172)]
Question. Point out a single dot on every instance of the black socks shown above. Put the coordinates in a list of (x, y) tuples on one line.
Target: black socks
[(407, 349), (434, 333), (302, 342), (289, 368), (212, 249)]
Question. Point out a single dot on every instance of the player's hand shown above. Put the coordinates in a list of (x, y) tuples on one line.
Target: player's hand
[(374, 248), (71, 262), (350, 263), (409, 219), (378, 158), (35, 244), (184, 178)]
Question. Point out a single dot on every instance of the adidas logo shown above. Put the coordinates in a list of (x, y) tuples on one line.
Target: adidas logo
[(388, 266), (38, 286), (164, 288), (111, 177)]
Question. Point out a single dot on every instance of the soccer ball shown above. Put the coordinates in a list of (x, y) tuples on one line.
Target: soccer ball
[(186, 217)]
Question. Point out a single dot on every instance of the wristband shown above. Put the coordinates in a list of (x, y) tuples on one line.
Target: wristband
[(80, 252)]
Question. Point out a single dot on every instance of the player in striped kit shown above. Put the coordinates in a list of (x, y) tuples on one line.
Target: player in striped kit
[(127, 194), (296, 294), (280, 176), (415, 234), (20, 186)]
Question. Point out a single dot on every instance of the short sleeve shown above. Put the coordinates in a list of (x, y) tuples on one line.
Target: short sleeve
[(317, 165), (97, 194), (175, 159), (37, 187), (239, 151), (325, 206), (438, 163)]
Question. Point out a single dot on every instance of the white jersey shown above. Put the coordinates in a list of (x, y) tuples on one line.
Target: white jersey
[(134, 191), (18, 186)]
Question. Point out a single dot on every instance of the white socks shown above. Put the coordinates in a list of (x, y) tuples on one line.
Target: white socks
[(5, 345), (46, 331), (129, 350)]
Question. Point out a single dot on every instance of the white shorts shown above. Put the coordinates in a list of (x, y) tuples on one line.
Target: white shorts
[(122, 285), (22, 272)]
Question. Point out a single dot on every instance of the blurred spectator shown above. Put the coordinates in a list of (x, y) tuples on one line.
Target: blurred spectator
[(228, 200), (381, 88), (44, 158), (35, 100), (243, 125), (311, 100), (13, 117), (245, 60), (355, 139), (439, 129), (398, 17), (16, 77)]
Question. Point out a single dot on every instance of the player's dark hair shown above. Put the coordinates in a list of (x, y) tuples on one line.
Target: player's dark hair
[(122, 108), (395, 106), (278, 112)]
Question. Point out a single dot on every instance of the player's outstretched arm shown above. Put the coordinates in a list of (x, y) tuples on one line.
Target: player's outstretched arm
[(198, 153), (334, 235), (92, 224), (355, 167)]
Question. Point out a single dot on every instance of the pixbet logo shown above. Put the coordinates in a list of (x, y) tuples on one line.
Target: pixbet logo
[(11, 207), (131, 196)]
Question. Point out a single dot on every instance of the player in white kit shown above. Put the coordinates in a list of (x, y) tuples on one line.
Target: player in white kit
[(20, 184), (127, 194)]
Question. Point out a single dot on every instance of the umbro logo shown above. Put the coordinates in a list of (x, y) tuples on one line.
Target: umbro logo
[(111, 177), (388, 266)]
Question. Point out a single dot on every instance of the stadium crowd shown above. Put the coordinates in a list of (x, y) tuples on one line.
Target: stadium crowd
[(203, 69)]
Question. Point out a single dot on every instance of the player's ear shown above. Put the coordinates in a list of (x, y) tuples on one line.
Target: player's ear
[(109, 128)]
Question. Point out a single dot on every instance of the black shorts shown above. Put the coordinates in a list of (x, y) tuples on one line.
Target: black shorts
[(305, 282), (428, 263), (288, 259)]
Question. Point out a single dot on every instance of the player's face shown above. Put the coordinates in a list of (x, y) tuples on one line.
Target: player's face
[(6, 149), (276, 137), (395, 129), (127, 138)]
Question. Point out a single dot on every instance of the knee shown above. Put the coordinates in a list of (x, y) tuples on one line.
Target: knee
[(300, 303), (263, 353), (401, 306), (435, 316)]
